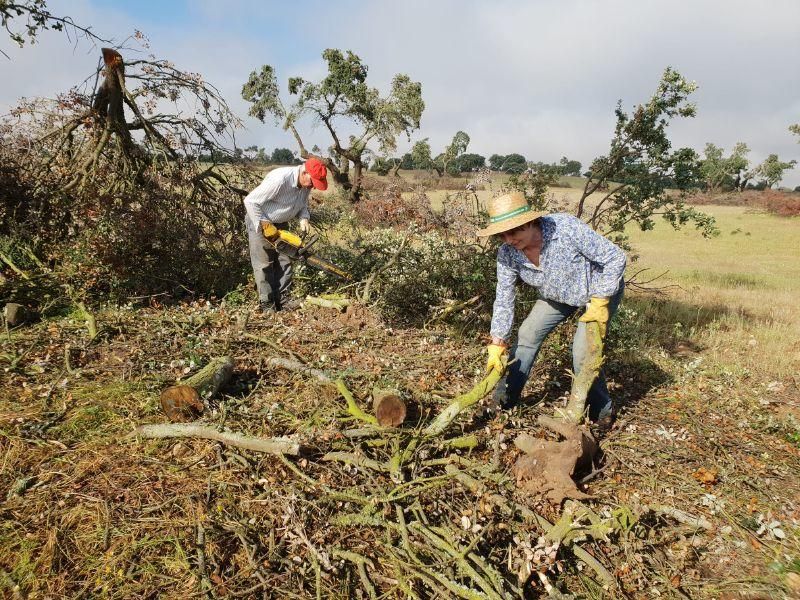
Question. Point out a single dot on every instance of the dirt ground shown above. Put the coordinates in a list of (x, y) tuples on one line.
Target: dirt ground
[(696, 496)]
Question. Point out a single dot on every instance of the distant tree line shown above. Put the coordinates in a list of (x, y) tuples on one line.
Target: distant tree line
[(455, 160), (254, 155)]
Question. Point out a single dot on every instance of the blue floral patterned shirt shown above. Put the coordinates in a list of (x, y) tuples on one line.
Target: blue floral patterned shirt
[(575, 264)]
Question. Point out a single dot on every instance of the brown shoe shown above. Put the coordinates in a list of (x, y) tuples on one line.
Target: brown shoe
[(603, 427)]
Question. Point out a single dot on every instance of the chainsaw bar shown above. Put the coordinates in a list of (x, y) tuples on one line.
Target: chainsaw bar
[(324, 265)]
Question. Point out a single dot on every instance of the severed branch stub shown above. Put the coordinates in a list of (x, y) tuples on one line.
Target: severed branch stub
[(390, 410), (184, 401)]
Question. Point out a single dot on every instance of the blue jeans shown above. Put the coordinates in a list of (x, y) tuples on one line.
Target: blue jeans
[(542, 319)]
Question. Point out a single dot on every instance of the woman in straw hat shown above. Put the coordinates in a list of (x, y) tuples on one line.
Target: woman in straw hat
[(571, 266)]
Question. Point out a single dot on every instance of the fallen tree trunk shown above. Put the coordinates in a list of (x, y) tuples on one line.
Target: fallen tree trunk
[(208, 380), (231, 438)]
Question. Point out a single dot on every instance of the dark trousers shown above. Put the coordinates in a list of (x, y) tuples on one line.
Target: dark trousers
[(272, 270)]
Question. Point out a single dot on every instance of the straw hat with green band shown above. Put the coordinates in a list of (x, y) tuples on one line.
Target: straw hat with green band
[(508, 211)]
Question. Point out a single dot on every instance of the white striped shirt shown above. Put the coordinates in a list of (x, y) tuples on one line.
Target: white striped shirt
[(278, 198)]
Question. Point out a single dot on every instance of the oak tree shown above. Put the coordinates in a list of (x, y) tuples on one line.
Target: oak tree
[(771, 171), (641, 176), (341, 101)]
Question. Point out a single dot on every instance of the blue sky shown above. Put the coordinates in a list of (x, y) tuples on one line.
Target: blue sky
[(539, 77)]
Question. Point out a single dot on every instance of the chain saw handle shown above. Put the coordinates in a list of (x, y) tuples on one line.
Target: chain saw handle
[(274, 235)]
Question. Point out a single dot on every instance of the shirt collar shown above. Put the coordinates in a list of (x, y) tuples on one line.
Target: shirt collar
[(296, 176), (518, 256), (549, 230)]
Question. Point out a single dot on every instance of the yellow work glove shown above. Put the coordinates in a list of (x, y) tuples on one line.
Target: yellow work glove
[(597, 310), (268, 230), (498, 358)]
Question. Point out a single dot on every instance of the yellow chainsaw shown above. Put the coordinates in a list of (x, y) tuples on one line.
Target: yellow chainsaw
[(299, 248)]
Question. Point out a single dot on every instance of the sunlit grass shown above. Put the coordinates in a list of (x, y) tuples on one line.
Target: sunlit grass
[(750, 272)]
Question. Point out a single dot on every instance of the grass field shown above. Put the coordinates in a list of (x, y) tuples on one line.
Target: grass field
[(751, 270), (704, 373)]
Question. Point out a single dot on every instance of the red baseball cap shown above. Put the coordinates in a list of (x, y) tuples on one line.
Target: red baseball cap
[(318, 173)]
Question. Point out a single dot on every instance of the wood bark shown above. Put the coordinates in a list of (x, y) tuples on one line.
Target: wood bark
[(328, 302), (15, 314), (298, 367), (441, 422), (231, 438), (208, 380), (352, 407), (358, 177), (584, 378), (181, 403)]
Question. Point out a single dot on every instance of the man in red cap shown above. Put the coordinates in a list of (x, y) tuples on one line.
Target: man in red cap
[(281, 197)]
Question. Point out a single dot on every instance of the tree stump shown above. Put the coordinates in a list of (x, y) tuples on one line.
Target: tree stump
[(184, 401), (390, 410), (181, 403), (15, 314), (546, 467)]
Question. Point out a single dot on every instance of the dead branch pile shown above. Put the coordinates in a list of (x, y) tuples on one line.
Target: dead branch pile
[(118, 185), (425, 509), (386, 207)]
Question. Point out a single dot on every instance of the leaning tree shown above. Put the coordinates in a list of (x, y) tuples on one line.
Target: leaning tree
[(447, 159), (641, 176), (771, 171), (341, 100)]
